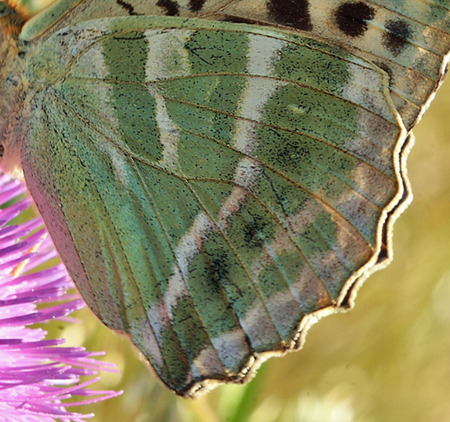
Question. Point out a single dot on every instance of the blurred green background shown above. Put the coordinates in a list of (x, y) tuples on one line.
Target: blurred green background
[(386, 360)]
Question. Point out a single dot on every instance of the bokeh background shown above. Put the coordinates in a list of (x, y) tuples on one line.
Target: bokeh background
[(386, 360)]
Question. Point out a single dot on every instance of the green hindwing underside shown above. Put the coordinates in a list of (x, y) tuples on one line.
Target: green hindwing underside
[(213, 188)]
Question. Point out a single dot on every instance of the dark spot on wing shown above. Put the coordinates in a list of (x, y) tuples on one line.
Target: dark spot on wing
[(388, 70), (238, 19), (253, 233), (396, 36), (171, 7), (128, 7), (220, 264), (196, 5), (352, 18), (293, 13)]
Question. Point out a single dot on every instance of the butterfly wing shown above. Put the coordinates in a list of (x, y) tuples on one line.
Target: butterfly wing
[(408, 39), (212, 188)]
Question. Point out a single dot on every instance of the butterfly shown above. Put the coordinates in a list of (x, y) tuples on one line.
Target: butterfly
[(218, 175)]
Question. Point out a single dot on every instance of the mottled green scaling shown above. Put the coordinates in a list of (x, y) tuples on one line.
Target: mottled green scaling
[(214, 188)]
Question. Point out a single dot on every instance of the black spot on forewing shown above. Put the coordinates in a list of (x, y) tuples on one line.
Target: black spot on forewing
[(196, 5), (171, 7), (396, 36), (293, 13), (128, 7), (352, 18)]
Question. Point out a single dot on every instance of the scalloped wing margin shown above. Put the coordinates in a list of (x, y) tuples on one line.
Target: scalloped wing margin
[(212, 188)]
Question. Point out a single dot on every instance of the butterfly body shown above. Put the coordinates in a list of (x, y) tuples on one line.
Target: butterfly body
[(214, 188)]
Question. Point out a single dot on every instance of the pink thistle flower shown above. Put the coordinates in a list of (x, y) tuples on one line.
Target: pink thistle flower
[(37, 375)]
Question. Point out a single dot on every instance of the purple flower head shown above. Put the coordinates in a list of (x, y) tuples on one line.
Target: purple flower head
[(37, 375)]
